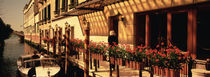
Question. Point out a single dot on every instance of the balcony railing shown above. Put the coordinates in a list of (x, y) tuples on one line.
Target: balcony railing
[(73, 5), (57, 12), (65, 9)]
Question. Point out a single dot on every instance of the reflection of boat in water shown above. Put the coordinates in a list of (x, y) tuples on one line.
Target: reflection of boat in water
[(44, 67)]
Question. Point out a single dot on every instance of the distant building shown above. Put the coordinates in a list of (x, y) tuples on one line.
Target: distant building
[(182, 23)]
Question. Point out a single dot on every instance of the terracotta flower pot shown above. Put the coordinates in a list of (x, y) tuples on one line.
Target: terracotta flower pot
[(134, 64), (155, 70), (174, 73), (94, 56), (184, 69), (118, 61), (100, 57), (112, 60), (167, 72), (97, 56), (130, 64), (163, 72), (127, 63), (159, 71), (137, 65)]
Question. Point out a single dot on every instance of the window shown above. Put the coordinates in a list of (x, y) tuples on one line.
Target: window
[(45, 13), (158, 24), (140, 23), (49, 12), (203, 39), (57, 6), (42, 14), (73, 3), (179, 30), (64, 5)]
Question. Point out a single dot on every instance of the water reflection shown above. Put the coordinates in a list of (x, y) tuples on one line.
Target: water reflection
[(12, 50)]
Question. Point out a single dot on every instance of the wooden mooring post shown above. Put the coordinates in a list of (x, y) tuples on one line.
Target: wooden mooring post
[(40, 39), (66, 47), (87, 38)]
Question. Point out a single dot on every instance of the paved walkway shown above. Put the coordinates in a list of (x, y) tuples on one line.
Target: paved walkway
[(103, 71)]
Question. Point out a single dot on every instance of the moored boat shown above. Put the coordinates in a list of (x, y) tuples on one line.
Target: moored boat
[(40, 67)]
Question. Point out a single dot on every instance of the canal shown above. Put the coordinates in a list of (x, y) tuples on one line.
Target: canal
[(12, 50)]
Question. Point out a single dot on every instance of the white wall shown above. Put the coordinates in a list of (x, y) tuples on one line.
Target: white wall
[(73, 21)]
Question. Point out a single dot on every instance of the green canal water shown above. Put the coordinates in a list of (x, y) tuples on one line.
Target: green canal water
[(12, 50)]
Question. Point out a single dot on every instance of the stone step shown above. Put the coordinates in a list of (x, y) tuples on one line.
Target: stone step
[(200, 73), (200, 64)]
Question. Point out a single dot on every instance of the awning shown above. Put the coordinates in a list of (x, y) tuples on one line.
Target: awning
[(91, 6)]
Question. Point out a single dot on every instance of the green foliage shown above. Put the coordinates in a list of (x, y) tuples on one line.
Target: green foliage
[(5, 30)]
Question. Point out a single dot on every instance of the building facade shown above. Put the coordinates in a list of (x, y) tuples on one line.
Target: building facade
[(182, 23)]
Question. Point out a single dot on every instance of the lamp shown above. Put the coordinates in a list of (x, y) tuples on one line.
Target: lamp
[(66, 24), (84, 21), (122, 18), (50, 27), (56, 26)]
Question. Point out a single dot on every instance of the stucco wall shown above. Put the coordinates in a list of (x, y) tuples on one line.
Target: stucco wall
[(73, 21)]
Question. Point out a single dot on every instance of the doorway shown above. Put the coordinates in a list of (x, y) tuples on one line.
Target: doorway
[(158, 28), (113, 21), (179, 30), (203, 39), (140, 23)]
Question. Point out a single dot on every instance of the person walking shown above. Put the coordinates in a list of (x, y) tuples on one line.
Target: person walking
[(113, 40)]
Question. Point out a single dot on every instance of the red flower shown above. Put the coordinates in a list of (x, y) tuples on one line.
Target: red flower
[(112, 47), (162, 43), (157, 60), (157, 46), (179, 58), (135, 53), (101, 51), (117, 45), (184, 57), (140, 50), (117, 50), (187, 53), (163, 55)]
